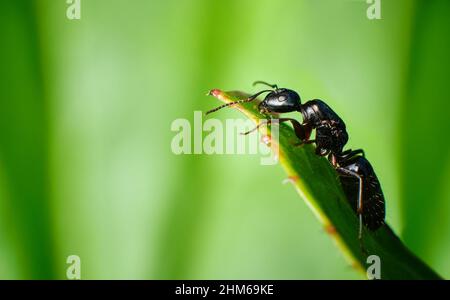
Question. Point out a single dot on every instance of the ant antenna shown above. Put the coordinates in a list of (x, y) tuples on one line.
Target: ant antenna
[(249, 99), (274, 86)]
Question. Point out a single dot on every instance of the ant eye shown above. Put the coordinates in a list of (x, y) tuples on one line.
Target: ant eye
[(282, 98)]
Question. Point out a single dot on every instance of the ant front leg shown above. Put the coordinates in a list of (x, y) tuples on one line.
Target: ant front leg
[(303, 132)]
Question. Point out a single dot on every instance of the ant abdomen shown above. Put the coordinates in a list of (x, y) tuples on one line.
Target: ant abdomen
[(371, 206)]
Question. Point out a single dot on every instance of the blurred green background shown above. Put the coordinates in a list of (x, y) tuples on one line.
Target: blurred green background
[(86, 166)]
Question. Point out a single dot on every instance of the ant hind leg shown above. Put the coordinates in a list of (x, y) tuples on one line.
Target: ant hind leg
[(359, 203)]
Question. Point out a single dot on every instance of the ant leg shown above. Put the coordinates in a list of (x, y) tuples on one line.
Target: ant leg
[(347, 154), (359, 205), (301, 131), (262, 110), (249, 99), (305, 143), (267, 122), (354, 152)]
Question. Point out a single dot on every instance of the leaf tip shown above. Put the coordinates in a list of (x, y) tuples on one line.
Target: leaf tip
[(214, 92), (291, 179)]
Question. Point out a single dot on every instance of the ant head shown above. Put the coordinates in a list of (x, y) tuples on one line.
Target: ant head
[(280, 100)]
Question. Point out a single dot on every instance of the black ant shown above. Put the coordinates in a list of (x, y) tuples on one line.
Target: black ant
[(356, 174), (331, 135)]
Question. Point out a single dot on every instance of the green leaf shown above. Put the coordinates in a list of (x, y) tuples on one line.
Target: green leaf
[(317, 183), (424, 152), (24, 144)]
